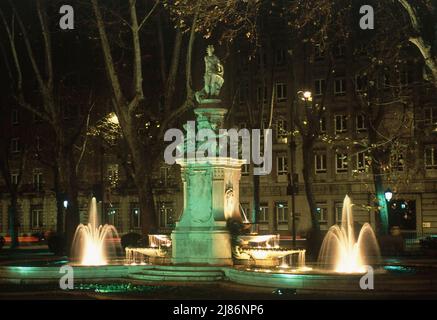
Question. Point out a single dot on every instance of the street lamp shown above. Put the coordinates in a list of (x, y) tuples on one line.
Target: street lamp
[(388, 194), (305, 95)]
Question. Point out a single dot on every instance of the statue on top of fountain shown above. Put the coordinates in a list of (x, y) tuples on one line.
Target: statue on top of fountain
[(213, 77)]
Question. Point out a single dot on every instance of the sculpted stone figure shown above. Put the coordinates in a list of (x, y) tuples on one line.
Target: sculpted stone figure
[(213, 77)]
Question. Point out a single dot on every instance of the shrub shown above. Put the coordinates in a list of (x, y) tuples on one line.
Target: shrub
[(130, 240), (429, 243), (56, 243)]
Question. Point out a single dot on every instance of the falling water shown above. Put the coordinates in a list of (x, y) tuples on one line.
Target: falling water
[(340, 249), (93, 242), (301, 259)]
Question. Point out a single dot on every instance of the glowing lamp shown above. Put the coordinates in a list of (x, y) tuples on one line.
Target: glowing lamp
[(388, 194)]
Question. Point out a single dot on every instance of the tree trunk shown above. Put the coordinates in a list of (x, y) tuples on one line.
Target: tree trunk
[(381, 203), (13, 222), (71, 186), (307, 150)]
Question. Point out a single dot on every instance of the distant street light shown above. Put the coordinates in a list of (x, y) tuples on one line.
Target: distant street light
[(65, 204), (305, 95), (388, 194)]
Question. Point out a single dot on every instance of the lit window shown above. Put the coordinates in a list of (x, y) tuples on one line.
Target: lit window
[(431, 157), (36, 218), (322, 212), (166, 215), (340, 123), (282, 163), (263, 216), (281, 92), (281, 131), (341, 163), (281, 209), (320, 162)]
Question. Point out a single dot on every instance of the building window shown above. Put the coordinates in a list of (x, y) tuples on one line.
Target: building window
[(261, 94), (37, 180), (281, 131), (282, 165), (15, 145), (361, 162), (166, 215), (245, 208), (319, 86), (338, 212), (320, 162), (431, 116), (112, 218), (245, 169), (322, 212), (112, 174), (319, 52), (431, 157), (135, 216), (281, 209), (341, 163), (361, 123), (14, 178), (360, 83), (281, 92), (397, 161), (15, 117), (36, 218), (340, 86), (340, 123), (38, 143), (339, 51), (280, 57), (263, 216), (322, 124), (261, 59), (164, 175)]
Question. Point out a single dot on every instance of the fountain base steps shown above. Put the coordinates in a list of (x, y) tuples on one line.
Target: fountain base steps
[(179, 273)]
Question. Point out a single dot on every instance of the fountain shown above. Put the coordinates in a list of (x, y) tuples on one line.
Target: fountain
[(341, 251), (93, 242)]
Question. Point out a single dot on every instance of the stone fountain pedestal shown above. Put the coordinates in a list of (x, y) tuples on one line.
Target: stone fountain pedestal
[(211, 193)]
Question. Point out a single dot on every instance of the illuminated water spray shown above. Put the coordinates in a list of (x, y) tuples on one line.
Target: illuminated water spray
[(342, 251), (93, 242)]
